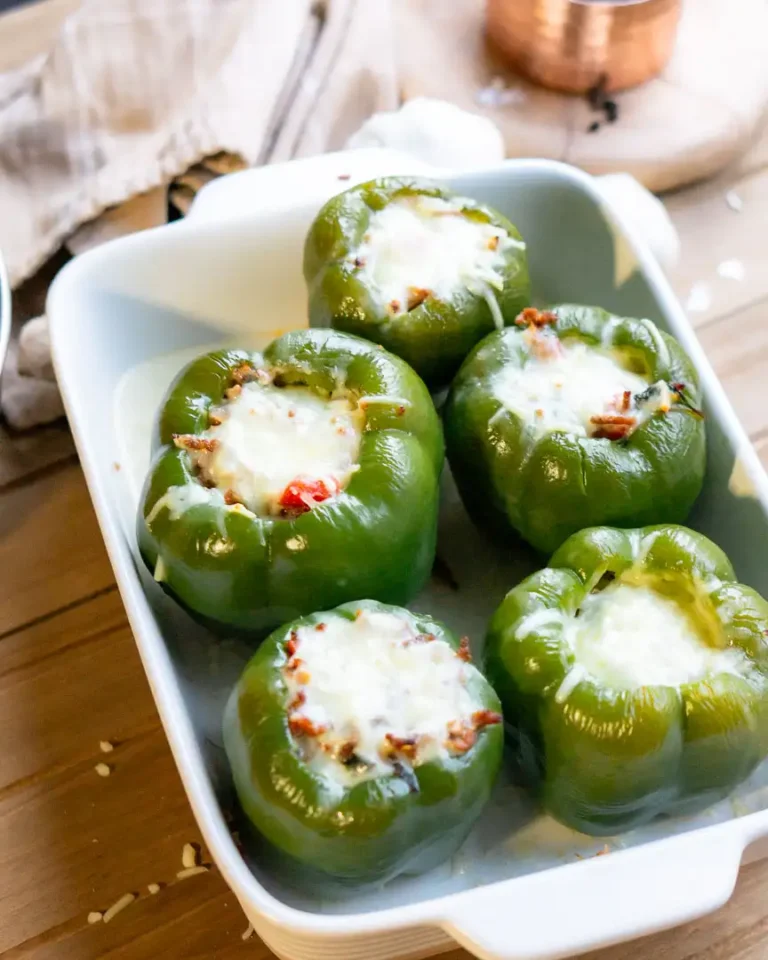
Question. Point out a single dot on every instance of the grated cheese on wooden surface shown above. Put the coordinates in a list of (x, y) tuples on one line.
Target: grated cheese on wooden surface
[(191, 872), (125, 901), (106, 746), (95, 916), (103, 769), (189, 856), (248, 932), (153, 888)]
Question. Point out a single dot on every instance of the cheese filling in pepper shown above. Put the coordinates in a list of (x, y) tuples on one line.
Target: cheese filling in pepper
[(417, 247), (279, 450), (369, 697), (577, 388), (630, 635)]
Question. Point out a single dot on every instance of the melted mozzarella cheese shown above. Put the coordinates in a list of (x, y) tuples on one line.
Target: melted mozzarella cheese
[(630, 636), (271, 436), (564, 389), (427, 244), (369, 677)]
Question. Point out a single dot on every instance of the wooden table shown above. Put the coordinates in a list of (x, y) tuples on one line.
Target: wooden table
[(71, 841)]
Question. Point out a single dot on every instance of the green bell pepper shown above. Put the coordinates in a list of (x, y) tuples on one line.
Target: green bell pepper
[(433, 329), (376, 538), (610, 747), (369, 821), (545, 484)]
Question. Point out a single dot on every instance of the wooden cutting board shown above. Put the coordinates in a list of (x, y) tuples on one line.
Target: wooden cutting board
[(686, 124)]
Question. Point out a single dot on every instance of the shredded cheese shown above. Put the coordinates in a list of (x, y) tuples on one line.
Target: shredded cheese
[(577, 388), (369, 696), (630, 636), (418, 247), (268, 437)]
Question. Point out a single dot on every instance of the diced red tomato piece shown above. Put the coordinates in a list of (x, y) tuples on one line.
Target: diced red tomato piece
[(299, 496)]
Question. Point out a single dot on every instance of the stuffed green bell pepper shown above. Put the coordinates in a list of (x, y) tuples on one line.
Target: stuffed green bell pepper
[(575, 418), (286, 480), (363, 743), (413, 266), (633, 674)]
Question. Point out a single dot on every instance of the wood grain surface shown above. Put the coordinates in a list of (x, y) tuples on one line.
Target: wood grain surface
[(73, 842)]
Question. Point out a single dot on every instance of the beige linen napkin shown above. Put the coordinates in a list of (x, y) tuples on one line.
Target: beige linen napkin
[(135, 92), (132, 93)]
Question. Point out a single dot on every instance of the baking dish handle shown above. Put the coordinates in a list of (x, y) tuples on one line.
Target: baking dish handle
[(597, 902), (311, 180)]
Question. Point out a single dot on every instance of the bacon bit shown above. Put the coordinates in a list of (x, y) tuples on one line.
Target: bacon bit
[(243, 373), (214, 419), (233, 392), (402, 745), (539, 412), (531, 317), (400, 411), (612, 431), (303, 727), (544, 346), (298, 701), (626, 401), (358, 614), (320, 626), (359, 261), (294, 664), (291, 413), (493, 243), (464, 653), (612, 426), (423, 638), (292, 644), (617, 418), (486, 718), (678, 387), (393, 306), (347, 751), (299, 496), (417, 296), (231, 498), (460, 737), (187, 441)]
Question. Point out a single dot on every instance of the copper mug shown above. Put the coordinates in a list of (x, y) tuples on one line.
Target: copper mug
[(573, 45)]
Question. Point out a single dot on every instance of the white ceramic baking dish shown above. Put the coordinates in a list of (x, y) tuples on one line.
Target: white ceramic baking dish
[(126, 316)]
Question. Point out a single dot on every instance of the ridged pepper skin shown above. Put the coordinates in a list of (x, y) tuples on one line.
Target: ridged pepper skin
[(376, 538), (546, 488), (435, 336), (606, 759), (371, 830)]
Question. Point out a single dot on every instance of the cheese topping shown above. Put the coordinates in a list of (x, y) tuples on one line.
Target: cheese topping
[(630, 636), (576, 388), (370, 697), (280, 449), (417, 247)]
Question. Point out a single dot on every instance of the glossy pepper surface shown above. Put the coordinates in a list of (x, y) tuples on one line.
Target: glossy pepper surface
[(608, 758), (364, 831), (433, 330), (376, 537), (546, 486)]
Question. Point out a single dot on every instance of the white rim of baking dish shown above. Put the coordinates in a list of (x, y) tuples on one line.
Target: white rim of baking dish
[(530, 916)]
